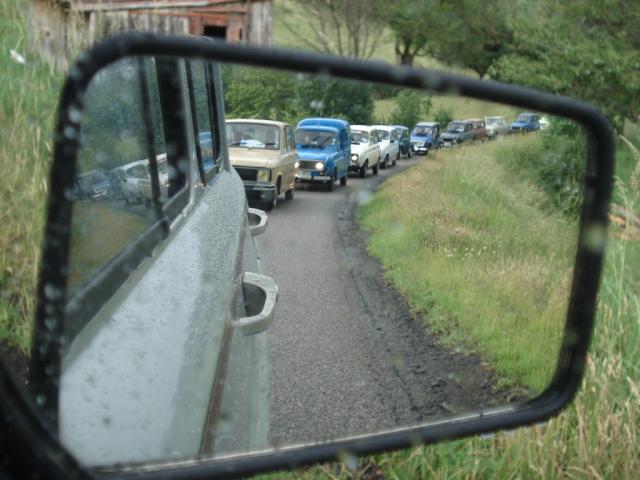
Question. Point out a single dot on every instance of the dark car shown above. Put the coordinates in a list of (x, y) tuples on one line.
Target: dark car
[(457, 132), (404, 140), (91, 185)]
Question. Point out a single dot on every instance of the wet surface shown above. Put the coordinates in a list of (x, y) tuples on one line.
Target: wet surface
[(347, 355)]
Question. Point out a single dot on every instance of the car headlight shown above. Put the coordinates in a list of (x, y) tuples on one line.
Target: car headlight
[(354, 157), (297, 164), (319, 166), (264, 175)]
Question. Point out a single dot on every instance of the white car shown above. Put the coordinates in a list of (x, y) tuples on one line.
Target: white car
[(365, 150), (496, 126), (389, 146)]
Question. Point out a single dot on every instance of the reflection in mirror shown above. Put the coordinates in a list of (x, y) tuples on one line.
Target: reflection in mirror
[(440, 292)]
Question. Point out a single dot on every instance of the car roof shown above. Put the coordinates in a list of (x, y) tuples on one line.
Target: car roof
[(366, 128), (498, 116), (402, 127), (272, 123), (426, 124), (330, 122), (129, 165), (386, 128), (325, 128)]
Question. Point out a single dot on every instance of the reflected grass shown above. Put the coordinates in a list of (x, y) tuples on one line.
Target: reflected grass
[(468, 244)]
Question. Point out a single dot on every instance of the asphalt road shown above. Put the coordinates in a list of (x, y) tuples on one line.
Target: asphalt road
[(346, 355)]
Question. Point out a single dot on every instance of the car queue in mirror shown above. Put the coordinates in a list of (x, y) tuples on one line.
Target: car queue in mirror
[(183, 329)]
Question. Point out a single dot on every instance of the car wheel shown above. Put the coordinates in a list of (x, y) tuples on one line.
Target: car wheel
[(374, 169), (383, 165), (409, 153), (289, 194), (343, 180), (331, 182), (363, 169), (268, 206)]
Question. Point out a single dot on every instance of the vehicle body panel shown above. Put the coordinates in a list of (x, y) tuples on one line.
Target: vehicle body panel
[(280, 159), (388, 140), (496, 126), (526, 122), (425, 136), (404, 139), (457, 132), (333, 154), (368, 152), (479, 131)]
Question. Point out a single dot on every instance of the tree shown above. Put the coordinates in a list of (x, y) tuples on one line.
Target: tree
[(588, 50), (411, 23), (349, 28), (471, 34), (411, 107)]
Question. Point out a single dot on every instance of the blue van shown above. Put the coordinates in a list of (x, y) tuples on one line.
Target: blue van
[(324, 148)]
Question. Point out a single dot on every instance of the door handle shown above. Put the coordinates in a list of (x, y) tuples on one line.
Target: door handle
[(258, 221), (260, 296)]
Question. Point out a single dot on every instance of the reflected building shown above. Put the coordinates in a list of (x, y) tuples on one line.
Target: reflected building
[(60, 29)]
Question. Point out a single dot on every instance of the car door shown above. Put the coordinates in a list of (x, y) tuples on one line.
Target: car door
[(158, 298)]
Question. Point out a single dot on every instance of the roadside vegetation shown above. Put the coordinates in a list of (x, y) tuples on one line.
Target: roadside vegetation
[(28, 100), (465, 240)]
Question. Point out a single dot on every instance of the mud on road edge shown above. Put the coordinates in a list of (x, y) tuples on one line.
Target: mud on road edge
[(437, 380)]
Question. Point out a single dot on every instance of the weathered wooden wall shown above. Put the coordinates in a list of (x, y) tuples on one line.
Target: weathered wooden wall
[(60, 31)]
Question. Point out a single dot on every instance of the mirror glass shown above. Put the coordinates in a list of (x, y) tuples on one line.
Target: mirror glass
[(422, 246)]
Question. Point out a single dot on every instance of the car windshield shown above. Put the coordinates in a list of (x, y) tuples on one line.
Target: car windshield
[(359, 136), (524, 118), (314, 138), (253, 135), (455, 127), (493, 120), (422, 131), (383, 135)]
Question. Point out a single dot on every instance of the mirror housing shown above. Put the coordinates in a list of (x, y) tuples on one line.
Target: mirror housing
[(47, 345)]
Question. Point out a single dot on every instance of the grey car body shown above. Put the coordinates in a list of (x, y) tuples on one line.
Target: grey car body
[(174, 363), (457, 132)]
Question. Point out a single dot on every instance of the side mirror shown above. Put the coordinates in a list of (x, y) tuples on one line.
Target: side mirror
[(436, 305)]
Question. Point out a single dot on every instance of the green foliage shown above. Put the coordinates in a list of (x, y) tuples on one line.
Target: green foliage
[(411, 107), (443, 116), (411, 23), (558, 168), (587, 50), (261, 93)]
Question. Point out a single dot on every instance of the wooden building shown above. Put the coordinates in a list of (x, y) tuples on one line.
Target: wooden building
[(61, 28)]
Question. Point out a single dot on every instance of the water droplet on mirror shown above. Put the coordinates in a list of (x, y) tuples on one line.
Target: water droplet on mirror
[(41, 400), (50, 323), (365, 197), (70, 133), (51, 292), (75, 115)]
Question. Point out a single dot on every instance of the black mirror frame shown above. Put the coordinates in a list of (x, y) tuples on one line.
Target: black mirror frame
[(23, 429)]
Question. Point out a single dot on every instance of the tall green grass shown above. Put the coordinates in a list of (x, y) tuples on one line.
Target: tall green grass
[(28, 100), (465, 241)]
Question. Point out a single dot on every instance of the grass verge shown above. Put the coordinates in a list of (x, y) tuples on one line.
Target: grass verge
[(466, 242), (28, 100)]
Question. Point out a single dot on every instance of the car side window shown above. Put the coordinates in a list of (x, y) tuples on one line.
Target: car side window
[(203, 118), (290, 139), (118, 178)]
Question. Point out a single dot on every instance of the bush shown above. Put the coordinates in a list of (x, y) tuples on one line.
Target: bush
[(443, 116), (411, 107)]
